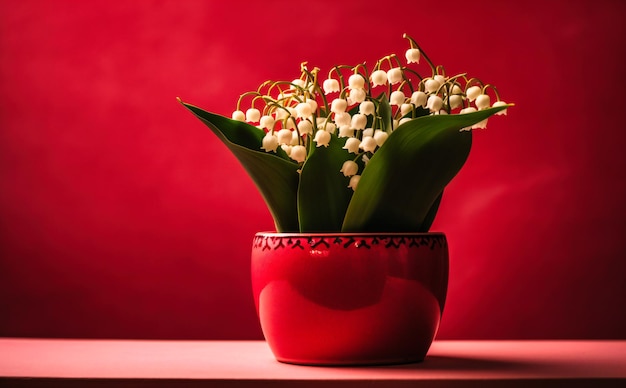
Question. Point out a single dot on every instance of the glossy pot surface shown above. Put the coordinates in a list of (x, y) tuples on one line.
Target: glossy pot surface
[(349, 299)]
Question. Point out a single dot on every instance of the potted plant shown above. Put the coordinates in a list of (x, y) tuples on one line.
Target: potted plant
[(352, 166)]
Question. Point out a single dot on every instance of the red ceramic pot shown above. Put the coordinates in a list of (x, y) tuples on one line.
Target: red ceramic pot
[(349, 299)]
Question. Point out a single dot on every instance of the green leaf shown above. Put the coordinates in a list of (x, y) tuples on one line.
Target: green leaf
[(406, 175), (384, 111), (274, 175), (324, 194)]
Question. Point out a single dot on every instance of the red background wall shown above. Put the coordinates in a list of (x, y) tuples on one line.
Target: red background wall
[(122, 216)]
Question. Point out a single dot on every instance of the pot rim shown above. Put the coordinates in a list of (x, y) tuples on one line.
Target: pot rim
[(360, 234)]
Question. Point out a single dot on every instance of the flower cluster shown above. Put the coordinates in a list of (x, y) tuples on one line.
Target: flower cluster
[(358, 107)]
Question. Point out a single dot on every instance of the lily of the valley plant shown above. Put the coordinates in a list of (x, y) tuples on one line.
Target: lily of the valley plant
[(357, 149)]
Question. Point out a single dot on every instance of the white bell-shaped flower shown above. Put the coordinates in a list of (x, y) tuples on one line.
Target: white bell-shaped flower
[(359, 121), (440, 78), (394, 75), (286, 148), (270, 142), (303, 110), (397, 98), (346, 131), (455, 101), (367, 108), (298, 153), (434, 103), (352, 145), (330, 127), (298, 82), (356, 81), (432, 85), (379, 77), (412, 55), (239, 115), (357, 96), (473, 92), (483, 101), (312, 103), (322, 138), (500, 103), (469, 109), (456, 89), (380, 137), (368, 132), (305, 127), (284, 136), (349, 168), (405, 109), (267, 122), (419, 98), (253, 115), (404, 120), (338, 105), (368, 144), (281, 114), (354, 182), (480, 125), (342, 118), (330, 85)]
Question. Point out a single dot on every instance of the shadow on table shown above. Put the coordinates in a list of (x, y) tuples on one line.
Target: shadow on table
[(450, 363)]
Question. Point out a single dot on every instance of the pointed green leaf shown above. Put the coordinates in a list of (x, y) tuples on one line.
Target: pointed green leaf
[(405, 176), (324, 194), (384, 111), (274, 175)]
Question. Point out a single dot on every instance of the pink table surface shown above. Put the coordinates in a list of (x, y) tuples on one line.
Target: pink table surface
[(139, 363)]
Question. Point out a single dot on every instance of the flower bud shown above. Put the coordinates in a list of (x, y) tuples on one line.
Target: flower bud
[(354, 182), (305, 127), (303, 110), (358, 121), (322, 138), (455, 101), (483, 101), (368, 144), (349, 168), (346, 131), (469, 109), (405, 109), (434, 103), (380, 137), (284, 136), (253, 115), (367, 108), (342, 118), (298, 153), (239, 116), (357, 95), (270, 143), (396, 98), (356, 81), (419, 99), (330, 85), (432, 85), (394, 75), (313, 104), (267, 122), (352, 145), (338, 105), (480, 125), (412, 55), (368, 132), (500, 103), (473, 92), (379, 77)]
